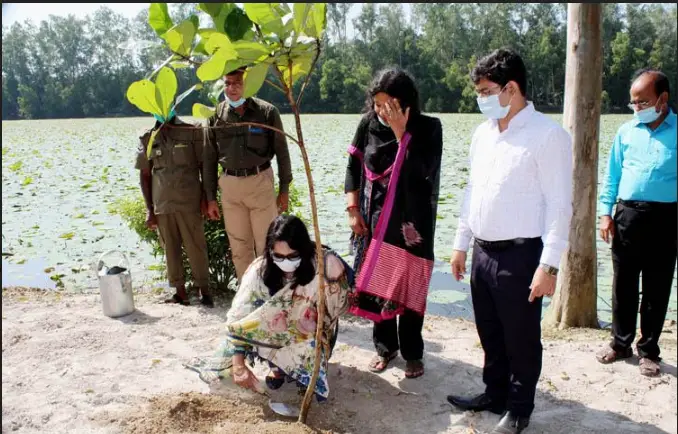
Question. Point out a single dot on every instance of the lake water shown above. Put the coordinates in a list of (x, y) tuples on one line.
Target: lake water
[(60, 176)]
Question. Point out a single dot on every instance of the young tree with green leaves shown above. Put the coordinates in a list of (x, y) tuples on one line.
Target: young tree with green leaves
[(262, 37)]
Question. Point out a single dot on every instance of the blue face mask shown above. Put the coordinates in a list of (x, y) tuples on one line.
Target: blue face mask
[(162, 120), (236, 104), (492, 108), (647, 116)]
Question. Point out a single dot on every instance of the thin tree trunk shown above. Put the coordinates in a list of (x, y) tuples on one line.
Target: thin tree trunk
[(320, 258), (574, 303)]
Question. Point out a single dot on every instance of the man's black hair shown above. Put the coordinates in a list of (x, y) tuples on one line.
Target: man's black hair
[(501, 66)]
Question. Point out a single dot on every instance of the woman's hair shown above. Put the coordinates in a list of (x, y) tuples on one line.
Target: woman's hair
[(397, 83), (292, 230)]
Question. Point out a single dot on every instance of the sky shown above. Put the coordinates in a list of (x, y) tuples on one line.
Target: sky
[(36, 12)]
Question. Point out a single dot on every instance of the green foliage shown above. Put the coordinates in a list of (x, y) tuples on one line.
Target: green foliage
[(67, 67), (132, 210)]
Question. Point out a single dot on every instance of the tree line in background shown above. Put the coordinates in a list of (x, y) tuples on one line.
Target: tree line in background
[(67, 67)]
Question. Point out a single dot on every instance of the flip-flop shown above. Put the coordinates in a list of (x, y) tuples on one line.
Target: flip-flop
[(176, 299), (414, 369), (608, 355), (385, 361)]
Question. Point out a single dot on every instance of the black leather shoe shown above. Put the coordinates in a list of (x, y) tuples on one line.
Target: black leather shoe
[(511, 424), (479, 403)]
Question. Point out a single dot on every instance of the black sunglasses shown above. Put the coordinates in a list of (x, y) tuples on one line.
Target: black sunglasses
[(279, 258)]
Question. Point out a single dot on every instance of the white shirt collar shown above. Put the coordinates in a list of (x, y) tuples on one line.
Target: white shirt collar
[(520, 119)]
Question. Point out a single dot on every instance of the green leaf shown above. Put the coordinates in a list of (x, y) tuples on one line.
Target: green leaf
[(236, 25), (180, 64), (180, 37), (300, 67), (214, 68), (186, 93), (301, 15), (202, 111), (254, 79), (151, 140), (204, 37), (142, 94), (319, 19), (212, 9), (251, 51), (159, 18), (215, 91), (219, 42), (266, 16), (165, 90)]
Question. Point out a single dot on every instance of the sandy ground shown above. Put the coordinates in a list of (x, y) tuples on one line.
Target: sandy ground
[(66, 368)]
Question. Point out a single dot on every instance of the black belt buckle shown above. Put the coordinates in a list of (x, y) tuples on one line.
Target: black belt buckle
[(502, 244), (250, 171)]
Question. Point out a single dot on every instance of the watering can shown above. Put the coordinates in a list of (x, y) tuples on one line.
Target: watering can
[(115, 285)]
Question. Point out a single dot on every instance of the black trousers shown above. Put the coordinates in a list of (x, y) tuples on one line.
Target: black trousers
[(509, 325), (405, 334), (644, 243)]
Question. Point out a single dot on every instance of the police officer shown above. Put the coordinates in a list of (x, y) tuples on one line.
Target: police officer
[(247, 187), (172, 188)]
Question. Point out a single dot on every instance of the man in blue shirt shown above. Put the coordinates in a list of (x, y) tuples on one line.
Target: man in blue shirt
[(642, 175)]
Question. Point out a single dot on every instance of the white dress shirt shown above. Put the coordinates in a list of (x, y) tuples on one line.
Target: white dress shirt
[(520, 184)]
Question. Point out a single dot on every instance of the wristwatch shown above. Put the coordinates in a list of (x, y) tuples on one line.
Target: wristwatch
[(553, 271)]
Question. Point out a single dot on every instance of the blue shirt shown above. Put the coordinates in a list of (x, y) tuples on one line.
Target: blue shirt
[(642, 164)]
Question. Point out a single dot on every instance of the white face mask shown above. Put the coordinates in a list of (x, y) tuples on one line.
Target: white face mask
[(382, 121), (289, 266), (647, 116), (236, 104), (492, 108)]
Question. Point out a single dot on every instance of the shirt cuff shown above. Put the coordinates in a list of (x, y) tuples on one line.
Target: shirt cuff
[(551, 256), (462, 242), (606, 208), (284, 188)]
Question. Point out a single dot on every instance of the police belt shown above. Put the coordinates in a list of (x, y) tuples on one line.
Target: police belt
[(241, 173)]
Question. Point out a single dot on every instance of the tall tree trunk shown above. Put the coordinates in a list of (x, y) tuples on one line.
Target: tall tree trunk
[(574, 303)]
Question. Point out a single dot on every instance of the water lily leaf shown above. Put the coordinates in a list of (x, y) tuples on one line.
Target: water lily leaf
[(159, 18), (165, 90), (67, 236), (254, 79), (202, 111), (142, 94)]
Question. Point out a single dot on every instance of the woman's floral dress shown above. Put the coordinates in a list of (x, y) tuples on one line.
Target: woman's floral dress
[(280, 328)]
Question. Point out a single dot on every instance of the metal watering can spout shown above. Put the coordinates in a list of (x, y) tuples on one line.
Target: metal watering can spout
[(115, 285)]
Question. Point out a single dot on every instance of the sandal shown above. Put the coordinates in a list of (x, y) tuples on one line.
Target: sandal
[(379, 364), (207, 301), (276, 380), (178, 300), (414, 369), (609, 355), (648, 367)]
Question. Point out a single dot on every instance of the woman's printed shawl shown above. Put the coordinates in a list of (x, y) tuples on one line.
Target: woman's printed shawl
[(280, 329), (399, 185)]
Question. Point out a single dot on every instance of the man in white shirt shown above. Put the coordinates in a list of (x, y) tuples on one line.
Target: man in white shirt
[(517, 206)]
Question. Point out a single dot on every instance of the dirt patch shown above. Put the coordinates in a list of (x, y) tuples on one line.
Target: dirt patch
[(200, 413)]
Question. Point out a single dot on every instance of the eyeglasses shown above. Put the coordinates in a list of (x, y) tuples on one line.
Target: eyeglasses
[(487, 92), (641, 104), (279, 258)]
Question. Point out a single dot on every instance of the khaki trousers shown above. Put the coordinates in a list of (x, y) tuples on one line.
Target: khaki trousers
[(184, 228), (249, 206)]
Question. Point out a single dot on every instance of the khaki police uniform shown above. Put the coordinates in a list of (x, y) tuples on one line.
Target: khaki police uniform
[(247, 186), (175, 161)]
